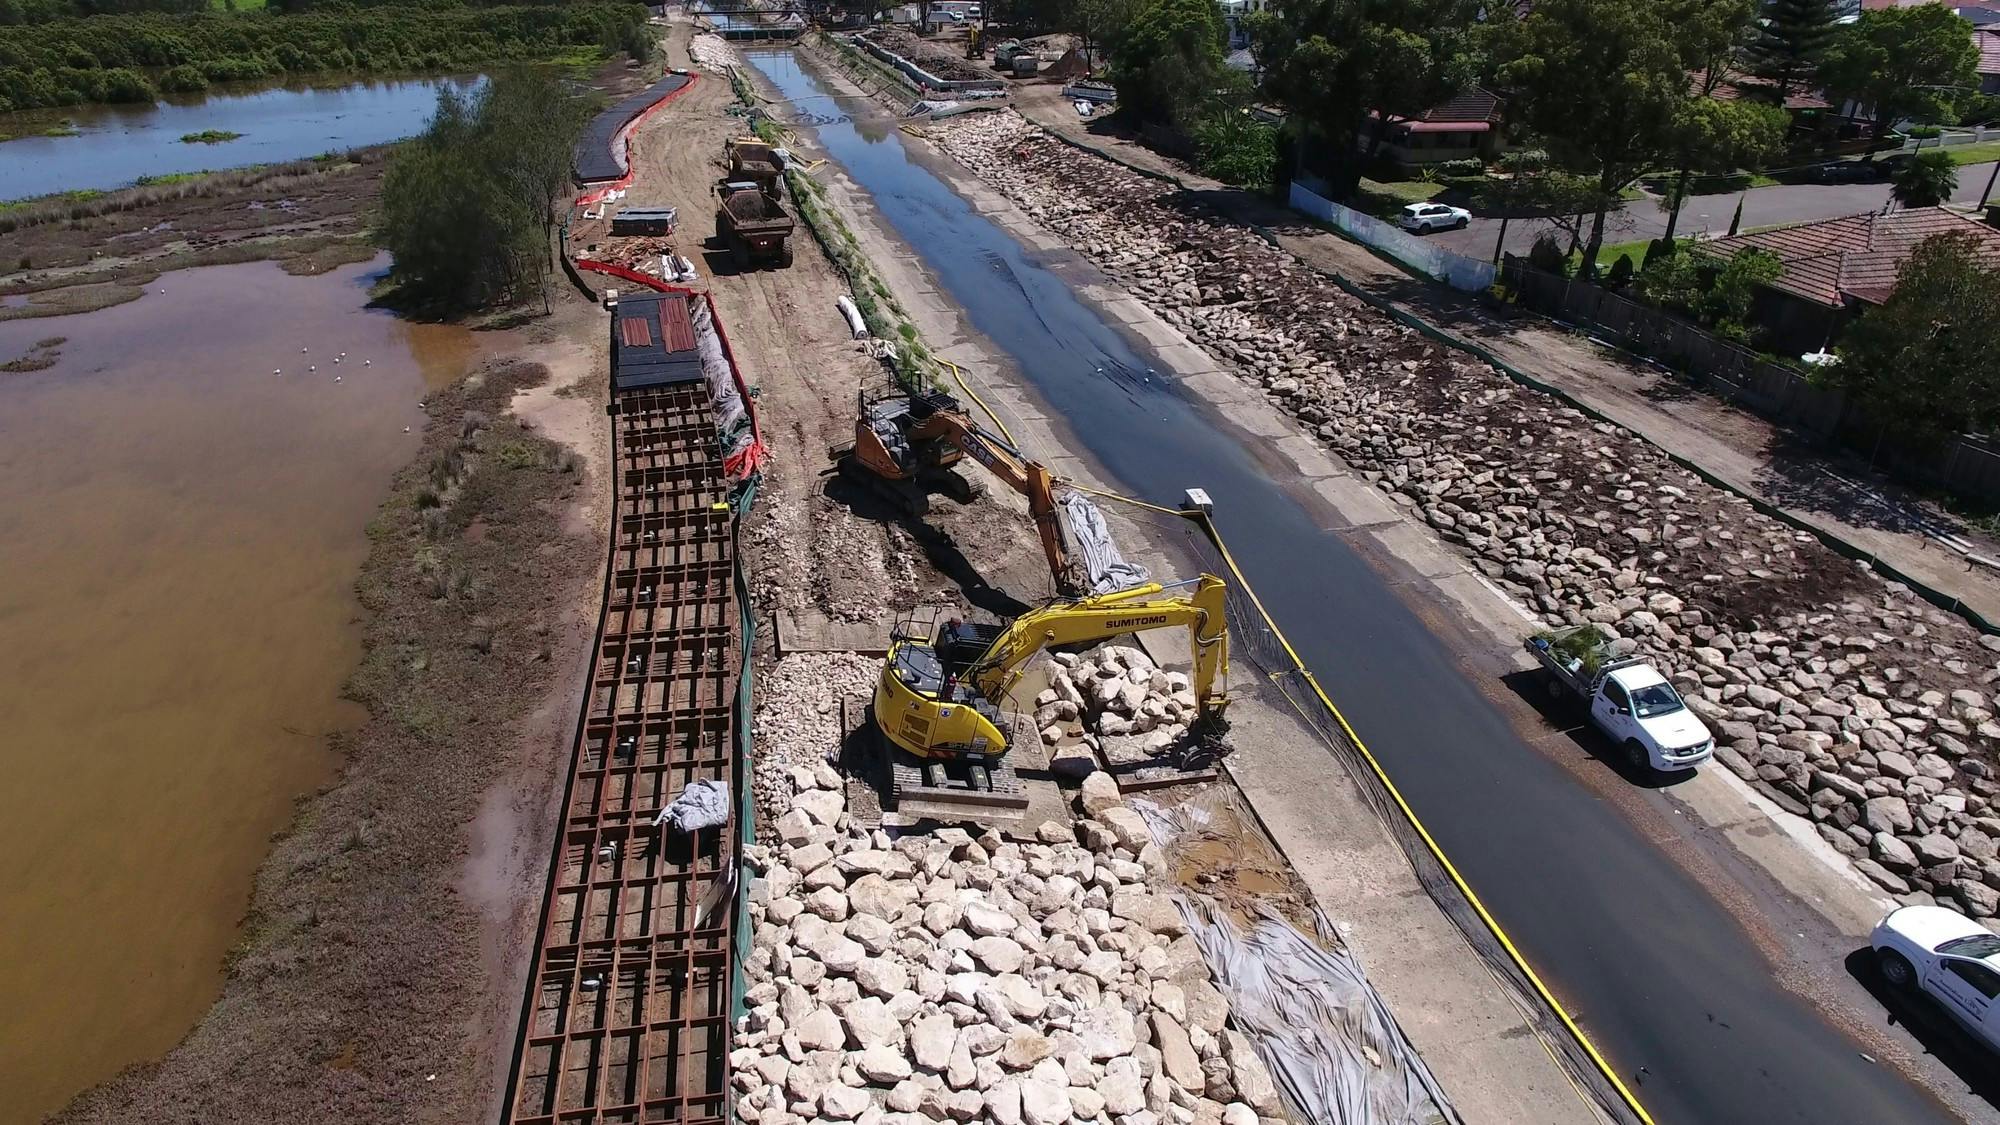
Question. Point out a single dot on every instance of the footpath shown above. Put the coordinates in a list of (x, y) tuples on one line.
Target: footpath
[(1873, 518)]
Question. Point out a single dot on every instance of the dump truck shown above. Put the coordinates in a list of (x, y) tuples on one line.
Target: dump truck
[(1628, 699), (752, 160), (752, 226), (1017, 59)]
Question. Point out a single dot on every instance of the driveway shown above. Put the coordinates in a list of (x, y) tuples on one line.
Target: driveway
[(1781, 205)]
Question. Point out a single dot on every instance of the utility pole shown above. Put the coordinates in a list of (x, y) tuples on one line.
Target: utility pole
[(1988, 193)]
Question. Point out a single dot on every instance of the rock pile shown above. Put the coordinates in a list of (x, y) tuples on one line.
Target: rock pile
[(712, 52), (960, 977), (1844, 698), (1114, 692), (798, 718)]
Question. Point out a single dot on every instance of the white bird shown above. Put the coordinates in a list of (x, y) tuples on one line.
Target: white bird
[(366, 362), (277, 371), (303, 351), (421, 406), (343, 355), (312, 367), (336, 378), (336, 359), (406, 429)]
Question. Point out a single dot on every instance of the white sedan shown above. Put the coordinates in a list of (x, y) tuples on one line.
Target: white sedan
[(1948, 956), (1426, 217)]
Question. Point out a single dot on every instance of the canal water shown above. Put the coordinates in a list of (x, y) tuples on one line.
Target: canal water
[(1664, 977), (180, 530), (116, 145)]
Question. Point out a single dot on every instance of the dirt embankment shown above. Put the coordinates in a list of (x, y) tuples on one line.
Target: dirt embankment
[(378, 975)]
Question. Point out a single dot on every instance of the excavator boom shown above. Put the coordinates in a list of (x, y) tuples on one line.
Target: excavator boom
[(933, 704)]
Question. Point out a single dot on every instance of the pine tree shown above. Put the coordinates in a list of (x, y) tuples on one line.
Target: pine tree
[(1791, 39)]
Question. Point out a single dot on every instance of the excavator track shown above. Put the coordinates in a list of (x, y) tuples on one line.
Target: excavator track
[(915, 789)]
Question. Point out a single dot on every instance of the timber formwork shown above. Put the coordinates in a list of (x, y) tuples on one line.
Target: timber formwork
[(626, 1021)]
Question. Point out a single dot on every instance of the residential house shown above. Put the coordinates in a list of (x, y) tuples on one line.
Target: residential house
[(1465, 127), (1988, 39), (1836, 269)]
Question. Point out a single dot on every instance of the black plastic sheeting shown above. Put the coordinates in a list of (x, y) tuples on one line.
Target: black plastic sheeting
[(597, 157)]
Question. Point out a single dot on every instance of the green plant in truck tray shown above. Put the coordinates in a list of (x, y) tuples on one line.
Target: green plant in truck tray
[(1584, 646)]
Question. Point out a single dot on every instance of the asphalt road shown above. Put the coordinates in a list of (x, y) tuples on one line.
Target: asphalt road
[(1660, 973), (1780, 205)]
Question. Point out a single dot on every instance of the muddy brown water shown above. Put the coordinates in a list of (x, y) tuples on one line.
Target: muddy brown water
[(180, 530)]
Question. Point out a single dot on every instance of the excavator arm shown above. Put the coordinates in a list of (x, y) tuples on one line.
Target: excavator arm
[(1029, 478), (1109, 615)]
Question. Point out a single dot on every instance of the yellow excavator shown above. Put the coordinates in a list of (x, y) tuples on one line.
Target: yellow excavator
[(940, 698), (906, 444)]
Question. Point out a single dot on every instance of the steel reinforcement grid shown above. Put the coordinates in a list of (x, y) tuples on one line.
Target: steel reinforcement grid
[(626, 1018)]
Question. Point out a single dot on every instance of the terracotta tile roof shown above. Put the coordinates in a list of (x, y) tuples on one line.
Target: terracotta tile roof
[(1853, 258), (1736, 85), (1989, 49), (1472, 104)]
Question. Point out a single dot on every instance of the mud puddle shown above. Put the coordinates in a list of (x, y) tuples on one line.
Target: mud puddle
[(180, 529)]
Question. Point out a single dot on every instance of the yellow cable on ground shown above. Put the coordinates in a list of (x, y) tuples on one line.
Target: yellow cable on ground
[(1410, 814), (959, 376)]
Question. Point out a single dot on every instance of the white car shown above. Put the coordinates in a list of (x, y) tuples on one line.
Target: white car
[(1426, 217), (1950, 957), (1639, 710)]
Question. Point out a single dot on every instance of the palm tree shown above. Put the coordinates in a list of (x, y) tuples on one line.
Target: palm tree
[(1925, 180)]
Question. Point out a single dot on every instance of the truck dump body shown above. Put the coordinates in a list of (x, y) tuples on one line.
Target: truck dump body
[(753, 227), (751, 211)]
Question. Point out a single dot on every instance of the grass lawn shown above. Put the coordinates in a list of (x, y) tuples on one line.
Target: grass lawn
[(1660, 183), (236, 5), (1975, 154), (1384, 200), (1609, 253)]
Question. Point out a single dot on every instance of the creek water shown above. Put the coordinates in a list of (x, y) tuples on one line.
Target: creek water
[(180, 530), (1666, 977), (117, 144)]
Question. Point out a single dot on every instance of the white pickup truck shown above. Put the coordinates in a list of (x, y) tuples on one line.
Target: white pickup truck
[(1949, 956), (1628, 699)]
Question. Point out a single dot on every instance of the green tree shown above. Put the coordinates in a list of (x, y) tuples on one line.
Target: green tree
[(1715, 137), (1925, 180), (1903, 63), (1712, 135), (1927, 362), (468, 207), (1726, 305), (1096, 22), (1792, 38), (1603, 82), (1168, 58), (1349, 70)]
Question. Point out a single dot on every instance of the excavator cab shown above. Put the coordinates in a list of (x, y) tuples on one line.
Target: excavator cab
[(925, 701)]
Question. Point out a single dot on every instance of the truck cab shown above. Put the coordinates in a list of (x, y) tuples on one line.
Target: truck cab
[(1638, 709), (1628, 699), (1950, 958)]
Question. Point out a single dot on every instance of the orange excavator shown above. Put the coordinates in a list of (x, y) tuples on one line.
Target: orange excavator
[(906, 444)]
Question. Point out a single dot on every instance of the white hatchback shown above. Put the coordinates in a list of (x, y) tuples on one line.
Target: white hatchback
[(1948, 956), (1425, 217)]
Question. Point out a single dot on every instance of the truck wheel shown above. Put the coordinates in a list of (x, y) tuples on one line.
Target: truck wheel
[(785, 257), (1896, 969), (739, 254), (1636, 757)]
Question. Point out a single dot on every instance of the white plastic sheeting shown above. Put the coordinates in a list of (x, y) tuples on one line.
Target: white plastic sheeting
[(703, 804), (1103, 565), (1330, 1043), (727, 404)]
